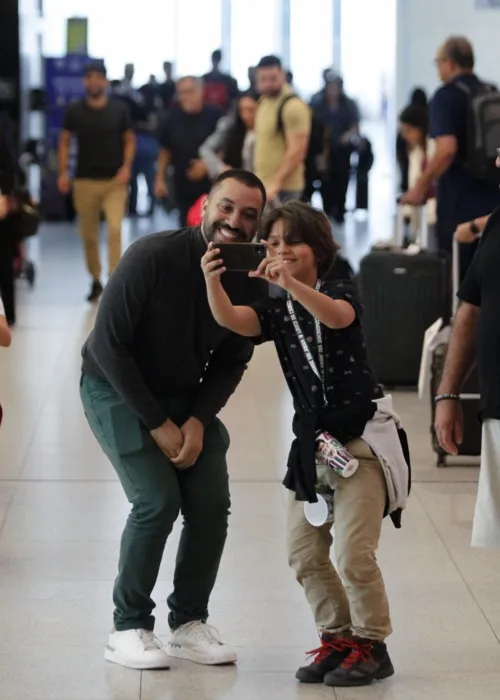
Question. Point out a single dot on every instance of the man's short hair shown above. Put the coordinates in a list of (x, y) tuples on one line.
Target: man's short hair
[(193, 78), (459, 51), (95, 67), (217, 55), (269, 62), (245, 177)]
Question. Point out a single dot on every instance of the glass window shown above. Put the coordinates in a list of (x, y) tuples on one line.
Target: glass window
[(369, 81), (198, 27), (129, 37), (255, 32), (311, 43)]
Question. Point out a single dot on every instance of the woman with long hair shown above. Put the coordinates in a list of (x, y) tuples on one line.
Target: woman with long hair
[(414, 132), (418, 98), (232, 144)]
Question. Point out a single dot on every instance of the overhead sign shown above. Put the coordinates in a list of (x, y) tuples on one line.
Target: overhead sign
[(77, 31)]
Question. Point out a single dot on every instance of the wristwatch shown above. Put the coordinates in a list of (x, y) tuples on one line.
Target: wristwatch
[(474, 228)]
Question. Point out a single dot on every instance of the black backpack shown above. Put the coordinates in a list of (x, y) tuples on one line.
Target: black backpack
[(317, 136), (483, 131)]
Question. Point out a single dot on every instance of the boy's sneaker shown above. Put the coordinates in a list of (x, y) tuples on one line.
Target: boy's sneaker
[(138, 649), (327, 657), (368, 661), (200, 643)]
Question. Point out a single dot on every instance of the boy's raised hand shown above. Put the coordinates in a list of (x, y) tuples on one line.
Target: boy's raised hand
[(273, 270), (211, 263)]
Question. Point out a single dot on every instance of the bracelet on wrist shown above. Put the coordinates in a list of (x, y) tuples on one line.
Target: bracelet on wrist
[(446, 397), (474, 228)]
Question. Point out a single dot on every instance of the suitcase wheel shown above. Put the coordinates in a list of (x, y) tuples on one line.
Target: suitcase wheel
[(30, 273), (441, 459)]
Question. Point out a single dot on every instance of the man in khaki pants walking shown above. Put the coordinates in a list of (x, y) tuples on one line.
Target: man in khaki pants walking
[(106, 149)]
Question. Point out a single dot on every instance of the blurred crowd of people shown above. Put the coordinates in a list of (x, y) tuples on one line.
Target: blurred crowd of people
[(439, 142), (181, 134)]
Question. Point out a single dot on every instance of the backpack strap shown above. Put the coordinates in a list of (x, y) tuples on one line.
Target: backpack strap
[(280, 127), (483, 88)]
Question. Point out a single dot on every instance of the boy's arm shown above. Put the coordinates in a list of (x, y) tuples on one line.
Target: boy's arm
[(335, 313), (239, 319)]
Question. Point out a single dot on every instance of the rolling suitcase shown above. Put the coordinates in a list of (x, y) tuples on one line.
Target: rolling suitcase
[(469, 394), (403, 291)]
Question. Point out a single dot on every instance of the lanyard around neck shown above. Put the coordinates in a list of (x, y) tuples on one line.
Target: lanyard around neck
[(319, 372)]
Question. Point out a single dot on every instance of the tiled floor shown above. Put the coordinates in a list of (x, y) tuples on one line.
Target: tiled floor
[(61, 514)]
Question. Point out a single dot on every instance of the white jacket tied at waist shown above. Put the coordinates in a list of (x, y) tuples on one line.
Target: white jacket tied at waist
[(381, 434)]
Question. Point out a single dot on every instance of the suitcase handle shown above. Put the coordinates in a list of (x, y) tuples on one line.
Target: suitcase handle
[(455, 274), (423, 237)]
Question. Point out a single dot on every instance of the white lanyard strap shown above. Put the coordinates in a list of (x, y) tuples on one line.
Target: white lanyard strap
[(320, 373)]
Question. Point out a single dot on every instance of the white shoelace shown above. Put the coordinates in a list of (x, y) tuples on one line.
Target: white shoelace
[(204, 632), (149, 640)]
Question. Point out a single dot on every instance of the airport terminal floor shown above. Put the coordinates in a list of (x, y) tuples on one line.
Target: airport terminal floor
[(62, 512)]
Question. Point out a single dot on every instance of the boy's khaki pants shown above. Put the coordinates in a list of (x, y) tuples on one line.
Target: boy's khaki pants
[(91, 197), (352, 597)]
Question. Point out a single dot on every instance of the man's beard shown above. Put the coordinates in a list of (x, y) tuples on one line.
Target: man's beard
[(96, 94), (272, 93), (223, 233)]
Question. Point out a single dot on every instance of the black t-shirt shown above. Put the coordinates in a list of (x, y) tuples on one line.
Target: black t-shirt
[(481, 287), (183, 134), (460, 197), (350, 382), (99, 135)]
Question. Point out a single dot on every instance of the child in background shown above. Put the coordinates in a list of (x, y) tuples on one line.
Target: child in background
[(318, 336)]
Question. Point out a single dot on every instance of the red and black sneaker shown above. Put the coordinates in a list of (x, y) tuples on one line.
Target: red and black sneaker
[(327, 657), (368, 661)]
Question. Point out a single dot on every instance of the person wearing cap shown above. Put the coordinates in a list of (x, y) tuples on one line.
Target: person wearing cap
[(340, 118), (106, 148)]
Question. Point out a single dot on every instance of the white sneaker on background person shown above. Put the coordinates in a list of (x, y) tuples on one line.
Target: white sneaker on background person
[(138, 649), (201, 643)]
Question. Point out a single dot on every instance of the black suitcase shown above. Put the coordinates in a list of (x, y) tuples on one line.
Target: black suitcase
[(403, 293), (469, 393)]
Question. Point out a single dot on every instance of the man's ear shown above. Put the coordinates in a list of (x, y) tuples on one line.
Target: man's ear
[(205, 206)]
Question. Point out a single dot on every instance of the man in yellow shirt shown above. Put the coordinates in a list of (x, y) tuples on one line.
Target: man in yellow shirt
[(280, 149)]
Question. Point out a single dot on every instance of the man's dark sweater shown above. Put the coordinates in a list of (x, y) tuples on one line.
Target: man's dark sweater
[(155, 336)]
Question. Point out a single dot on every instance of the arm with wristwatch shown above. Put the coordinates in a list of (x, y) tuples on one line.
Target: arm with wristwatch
[(471, 230)]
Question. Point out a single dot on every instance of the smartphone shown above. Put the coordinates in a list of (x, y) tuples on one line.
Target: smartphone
[(241, 257)]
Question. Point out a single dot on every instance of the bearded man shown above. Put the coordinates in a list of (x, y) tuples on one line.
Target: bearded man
[(157, 369)]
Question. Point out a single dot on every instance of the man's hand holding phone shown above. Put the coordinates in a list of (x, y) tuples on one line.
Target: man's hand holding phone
[(212, 264)]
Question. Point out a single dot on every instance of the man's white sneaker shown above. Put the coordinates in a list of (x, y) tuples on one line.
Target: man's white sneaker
[(138, 649), (201, 643)]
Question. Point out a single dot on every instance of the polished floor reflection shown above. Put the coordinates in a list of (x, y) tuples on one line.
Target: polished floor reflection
[(62, 511)]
